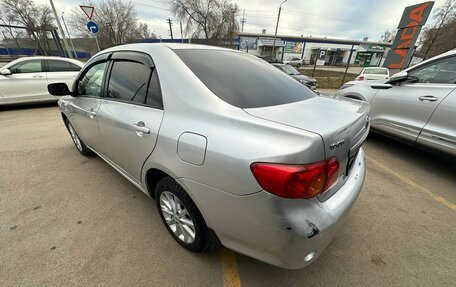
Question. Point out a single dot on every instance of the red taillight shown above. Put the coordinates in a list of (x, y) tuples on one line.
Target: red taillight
[(360, 78), (296, 181)]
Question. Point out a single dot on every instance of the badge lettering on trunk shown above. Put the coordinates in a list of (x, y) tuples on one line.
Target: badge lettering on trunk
[(337, 144)]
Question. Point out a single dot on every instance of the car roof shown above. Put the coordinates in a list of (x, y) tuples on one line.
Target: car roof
[(74, 61)]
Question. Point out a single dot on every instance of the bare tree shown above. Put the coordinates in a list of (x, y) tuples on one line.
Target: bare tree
[(387, 37), (26, 13), (210, 19), (439, 38), (117, 20)]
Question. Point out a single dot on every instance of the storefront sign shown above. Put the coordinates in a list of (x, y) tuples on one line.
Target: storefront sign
[(293, 47)]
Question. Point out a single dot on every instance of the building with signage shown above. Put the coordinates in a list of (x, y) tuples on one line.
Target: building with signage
[(326, 51)]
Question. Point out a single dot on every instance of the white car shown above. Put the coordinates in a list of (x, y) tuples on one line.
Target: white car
[(295, 62), (25, 80), (373, 73)]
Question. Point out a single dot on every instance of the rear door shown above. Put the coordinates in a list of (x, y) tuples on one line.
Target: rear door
[(405, 109), (61, 71), (27, 82), (131, 113), (440, 132)]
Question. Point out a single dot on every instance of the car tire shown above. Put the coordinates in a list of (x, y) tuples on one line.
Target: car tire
[(80, 145), (180, 215)]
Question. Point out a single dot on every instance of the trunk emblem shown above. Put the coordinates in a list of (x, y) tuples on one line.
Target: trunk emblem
[(336, 144)]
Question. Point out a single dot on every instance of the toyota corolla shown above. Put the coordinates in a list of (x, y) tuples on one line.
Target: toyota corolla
[(225, 143)]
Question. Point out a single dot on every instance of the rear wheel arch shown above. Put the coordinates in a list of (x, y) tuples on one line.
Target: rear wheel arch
[(153, 176)]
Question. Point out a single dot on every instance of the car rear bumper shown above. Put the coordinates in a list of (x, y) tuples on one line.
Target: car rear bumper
[(289, 233)]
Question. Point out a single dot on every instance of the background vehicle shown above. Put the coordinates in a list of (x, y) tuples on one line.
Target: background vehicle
[(416, 105), (26, 79), (208, 160), (295, 62), (295, 74), (373, 73)]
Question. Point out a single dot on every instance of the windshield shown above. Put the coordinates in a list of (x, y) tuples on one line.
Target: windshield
[(243, 80), (290, 70), (376, 71)]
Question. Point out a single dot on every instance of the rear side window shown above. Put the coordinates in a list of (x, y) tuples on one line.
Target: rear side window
[(62, 66), (129, 81), (243, 80)]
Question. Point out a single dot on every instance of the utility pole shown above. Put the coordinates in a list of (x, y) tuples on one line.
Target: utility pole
[(69, 37), (170, 22), (277, 26), (60, 29), (182, 34), (243, 21)]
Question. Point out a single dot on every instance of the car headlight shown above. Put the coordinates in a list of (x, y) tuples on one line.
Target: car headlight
[(346, 86)]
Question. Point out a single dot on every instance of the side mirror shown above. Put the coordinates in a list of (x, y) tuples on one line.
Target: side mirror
[(59, 89), (381, 86), (397, 78), (5, 72)]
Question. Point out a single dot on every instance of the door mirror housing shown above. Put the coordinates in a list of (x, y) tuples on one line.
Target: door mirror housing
[(5, 72), (397, 78), (59, 89)]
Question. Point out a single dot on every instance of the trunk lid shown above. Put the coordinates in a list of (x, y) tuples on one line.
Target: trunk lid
[(342, 124)]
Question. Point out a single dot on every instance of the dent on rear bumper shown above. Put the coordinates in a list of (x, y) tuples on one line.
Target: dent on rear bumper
[(275, 230)]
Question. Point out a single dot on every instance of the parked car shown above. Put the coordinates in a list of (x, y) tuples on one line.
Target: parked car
[(270, 59), (373, 73), (295, 74), (237, 149), (295, 62), (25, 80), (416, 106)]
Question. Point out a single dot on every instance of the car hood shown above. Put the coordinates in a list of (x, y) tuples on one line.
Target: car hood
[(303, 78)]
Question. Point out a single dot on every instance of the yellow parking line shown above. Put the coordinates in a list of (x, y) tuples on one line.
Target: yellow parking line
[(230, 270), (413, 184)]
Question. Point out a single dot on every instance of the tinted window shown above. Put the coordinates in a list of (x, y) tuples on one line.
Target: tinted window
[(29, 66), (243, 80), (129, 81), (442, 71), (61, 66), (91, 83), (154, 97)]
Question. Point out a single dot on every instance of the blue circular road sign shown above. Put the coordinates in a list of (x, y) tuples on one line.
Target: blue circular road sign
[(93, 27)]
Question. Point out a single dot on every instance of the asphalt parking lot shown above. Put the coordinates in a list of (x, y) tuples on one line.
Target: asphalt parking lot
[(69, 220)]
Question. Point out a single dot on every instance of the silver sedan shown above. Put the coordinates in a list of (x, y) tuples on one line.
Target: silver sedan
[(416, 106), (226, 144)]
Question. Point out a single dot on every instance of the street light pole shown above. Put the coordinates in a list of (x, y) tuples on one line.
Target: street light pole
[(60, 29), (69, 37), (277, 26)]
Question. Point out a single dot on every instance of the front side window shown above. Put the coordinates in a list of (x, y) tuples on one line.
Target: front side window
[(62, 66), (129, 81), (243, 80), (91, 83), (32, 66), (439, 72), (290, 70)]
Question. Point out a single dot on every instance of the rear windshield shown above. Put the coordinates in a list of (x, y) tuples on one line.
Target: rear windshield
[(243, 80), (376, 71)]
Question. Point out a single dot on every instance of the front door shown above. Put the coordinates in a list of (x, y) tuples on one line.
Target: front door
[(84, 107), (27, 83), (130, 116), (405, 109)]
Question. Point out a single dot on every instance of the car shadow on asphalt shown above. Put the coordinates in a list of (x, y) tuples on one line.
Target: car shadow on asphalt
[(27, 106)]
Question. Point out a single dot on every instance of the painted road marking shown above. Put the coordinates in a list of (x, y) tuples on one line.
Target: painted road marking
[(413, 184), (230, 269)]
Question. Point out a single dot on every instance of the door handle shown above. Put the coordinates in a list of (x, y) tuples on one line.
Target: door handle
[(37, 76), (92, 114), (428, 98), (141, 129)]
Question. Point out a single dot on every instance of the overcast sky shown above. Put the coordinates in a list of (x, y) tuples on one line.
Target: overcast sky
[(350, 19)]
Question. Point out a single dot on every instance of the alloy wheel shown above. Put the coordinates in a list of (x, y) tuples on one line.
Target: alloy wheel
[(177, 217), (75, 137)]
